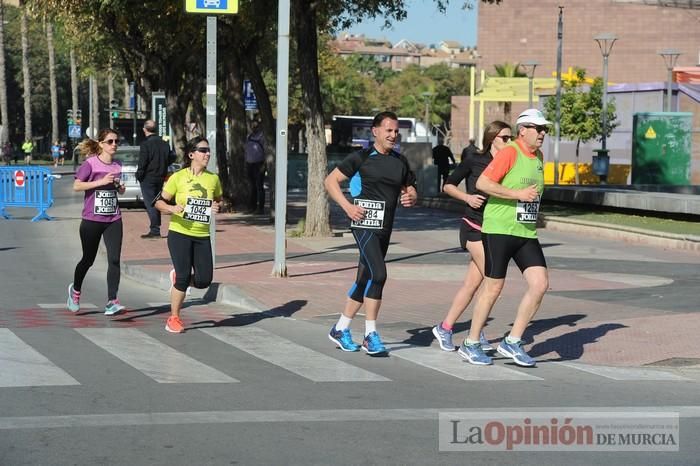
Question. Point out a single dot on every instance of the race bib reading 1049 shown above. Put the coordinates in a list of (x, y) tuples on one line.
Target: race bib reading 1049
[(198, 210), (105, 202), (374, 214)]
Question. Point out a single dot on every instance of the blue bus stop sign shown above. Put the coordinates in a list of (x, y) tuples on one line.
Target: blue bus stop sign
[(251, 103), (74, 131), (212, 6)]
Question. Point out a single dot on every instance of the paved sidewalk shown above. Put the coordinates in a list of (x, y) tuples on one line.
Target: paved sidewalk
[(610, 303)]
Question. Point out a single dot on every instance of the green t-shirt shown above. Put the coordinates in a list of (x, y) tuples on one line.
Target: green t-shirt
[(511, 216), (195, 194)]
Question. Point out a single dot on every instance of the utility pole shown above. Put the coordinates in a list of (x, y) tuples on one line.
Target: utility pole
[(557, 117)]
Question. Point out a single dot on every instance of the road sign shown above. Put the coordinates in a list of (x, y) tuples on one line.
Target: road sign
[(251, 102), (19, 178), (74, 131), (212, 7)]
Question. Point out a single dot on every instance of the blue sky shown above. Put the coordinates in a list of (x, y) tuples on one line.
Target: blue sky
[(426, 25)]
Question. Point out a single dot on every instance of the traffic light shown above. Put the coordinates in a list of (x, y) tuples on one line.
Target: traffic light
[(69, 116), (113, 105), (78, 117)]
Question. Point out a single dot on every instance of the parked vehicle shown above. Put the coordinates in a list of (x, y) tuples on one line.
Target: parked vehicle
[(129, 156)]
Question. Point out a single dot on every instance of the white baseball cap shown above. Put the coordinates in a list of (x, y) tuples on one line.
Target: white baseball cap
[(532, 116)]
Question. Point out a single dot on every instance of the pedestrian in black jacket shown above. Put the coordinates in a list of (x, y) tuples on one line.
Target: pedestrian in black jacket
[(154, 157)]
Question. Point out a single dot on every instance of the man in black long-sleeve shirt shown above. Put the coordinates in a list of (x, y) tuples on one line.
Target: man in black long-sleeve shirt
[(153, 167)]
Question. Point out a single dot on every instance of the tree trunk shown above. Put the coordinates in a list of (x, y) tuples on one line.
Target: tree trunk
[(27, 79), (4, 133), (95, 117), (74, 84), (576, 179), (235, 181), (52, 82), (317, 208)]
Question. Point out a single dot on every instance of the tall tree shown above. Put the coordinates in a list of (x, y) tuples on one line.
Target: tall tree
[(52, 81), (4, 116), (508, 70), (25, 73)]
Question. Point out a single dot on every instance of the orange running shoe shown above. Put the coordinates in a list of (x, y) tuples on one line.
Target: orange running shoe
[(174, 325)]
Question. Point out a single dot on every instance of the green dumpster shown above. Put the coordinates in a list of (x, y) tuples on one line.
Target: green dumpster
[(661, 152)]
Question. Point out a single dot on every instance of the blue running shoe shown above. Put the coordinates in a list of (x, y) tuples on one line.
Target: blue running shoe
[(343, 339), (372, 344), (516, 351), (474, 354), (73, 302), (485, 345), (113, 308), (444, 337)]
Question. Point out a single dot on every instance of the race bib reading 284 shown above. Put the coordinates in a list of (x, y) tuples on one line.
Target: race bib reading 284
[(374, 214), (198, 210)]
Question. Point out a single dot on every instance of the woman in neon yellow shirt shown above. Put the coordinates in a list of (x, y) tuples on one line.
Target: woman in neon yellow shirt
[(191, 195)]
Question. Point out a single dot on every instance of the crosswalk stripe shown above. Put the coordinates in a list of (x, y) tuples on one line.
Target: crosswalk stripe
[(63, 306), (625, 373), (23, 366), (288, 355), (153, 358), (452, 364)]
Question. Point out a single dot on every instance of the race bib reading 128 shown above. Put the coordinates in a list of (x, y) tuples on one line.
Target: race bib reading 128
[(526, 212), (105, 202), (198, 210), (374, 214)]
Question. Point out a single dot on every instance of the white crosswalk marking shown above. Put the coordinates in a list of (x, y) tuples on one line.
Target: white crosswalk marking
[(83, 306), (153, 358), (290, 356), (451, 363), (23, 366), (625, 373)]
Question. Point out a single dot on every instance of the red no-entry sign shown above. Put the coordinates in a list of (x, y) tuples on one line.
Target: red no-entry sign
[(19, 178)]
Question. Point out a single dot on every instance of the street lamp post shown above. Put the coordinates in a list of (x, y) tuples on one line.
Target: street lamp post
[(601, 163), (670, 57), (426, 96), (530, 66)]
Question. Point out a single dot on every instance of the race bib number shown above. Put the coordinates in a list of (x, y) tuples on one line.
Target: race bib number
[(106, 202), (198, 210), (526, 212), (374, 214)]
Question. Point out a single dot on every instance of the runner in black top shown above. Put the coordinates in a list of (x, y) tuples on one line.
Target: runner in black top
[(379, 178), (496, 135)]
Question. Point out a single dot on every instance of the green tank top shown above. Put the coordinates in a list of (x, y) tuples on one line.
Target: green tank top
[(511, 216)]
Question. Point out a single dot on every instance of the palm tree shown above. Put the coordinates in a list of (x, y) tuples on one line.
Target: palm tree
[(52, 81), (25, 73), (3, 83), (508, 70)]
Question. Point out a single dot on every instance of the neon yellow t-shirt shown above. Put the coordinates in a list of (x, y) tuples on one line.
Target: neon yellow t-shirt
[(195, 194)]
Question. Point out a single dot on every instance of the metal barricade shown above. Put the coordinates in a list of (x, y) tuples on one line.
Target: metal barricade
[(26, 186)]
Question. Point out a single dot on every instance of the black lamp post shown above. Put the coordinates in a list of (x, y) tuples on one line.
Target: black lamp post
[(530, 66), (601, 162), (670, 57)]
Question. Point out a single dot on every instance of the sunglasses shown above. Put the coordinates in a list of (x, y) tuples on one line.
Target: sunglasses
[(203, 150), (505, 138), (111, 141), (538, 128)]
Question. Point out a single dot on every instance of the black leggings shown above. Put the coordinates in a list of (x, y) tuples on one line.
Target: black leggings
[(187, 253), (90, 234), (371, 271)]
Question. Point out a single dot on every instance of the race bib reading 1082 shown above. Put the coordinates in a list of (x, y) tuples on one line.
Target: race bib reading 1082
[(374, 214), (198, 210)]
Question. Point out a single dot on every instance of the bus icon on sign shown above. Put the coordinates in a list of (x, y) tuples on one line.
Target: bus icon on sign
[(211, 4)]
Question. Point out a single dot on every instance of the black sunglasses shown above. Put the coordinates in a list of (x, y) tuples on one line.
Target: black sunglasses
[(111, 141), (538, 128), (203, 150), (505, 138)]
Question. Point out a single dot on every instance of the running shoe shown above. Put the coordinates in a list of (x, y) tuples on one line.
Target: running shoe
[(372, 344), (343, 339), (73, 299), (113, 307), (172, 283), (516, 351), (474, 354), (485, 345), (174, 325), (444, 337)]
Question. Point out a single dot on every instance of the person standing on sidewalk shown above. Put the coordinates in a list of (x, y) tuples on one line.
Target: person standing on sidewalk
[(443, 159), (514, 180), (191, 196), (100, 178), (379, 179), (496, 136), (254, 153), (154, 157)]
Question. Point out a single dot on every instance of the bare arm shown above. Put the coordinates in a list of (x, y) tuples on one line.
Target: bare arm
[(332, 184), (163, 206), (474, 200), (492, 188), (79, 185), (409, 196)]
